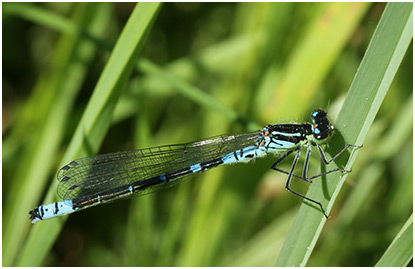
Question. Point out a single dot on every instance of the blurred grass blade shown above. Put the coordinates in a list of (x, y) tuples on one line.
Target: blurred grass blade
[(370, 85), (46, 113), (52, 20), (258, 251), (41, 16), (399, 253), (191, 92), (95, 120), (313, 57)]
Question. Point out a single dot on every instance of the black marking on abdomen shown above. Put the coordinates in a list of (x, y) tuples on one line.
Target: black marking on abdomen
[(120, 192), (42, 212), (211, 164), (236, 156), (178, 173)]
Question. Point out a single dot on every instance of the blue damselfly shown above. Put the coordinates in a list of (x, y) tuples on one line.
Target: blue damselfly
[(90, 181)]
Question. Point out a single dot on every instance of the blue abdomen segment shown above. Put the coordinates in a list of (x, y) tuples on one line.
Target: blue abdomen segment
[(51, 210)]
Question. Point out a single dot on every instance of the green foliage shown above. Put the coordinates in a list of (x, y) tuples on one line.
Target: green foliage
[(103, 77), (399, 252)]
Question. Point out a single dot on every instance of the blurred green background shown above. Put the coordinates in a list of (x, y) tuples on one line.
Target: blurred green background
[(204, 69)]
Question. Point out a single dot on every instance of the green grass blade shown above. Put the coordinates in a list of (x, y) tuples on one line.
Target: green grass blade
[(358, 204), (260, 249), (41, 16), (399, 253), (96, 119), (332, 27), (191, 92), (375, 74), (52, 20), (62, 85)]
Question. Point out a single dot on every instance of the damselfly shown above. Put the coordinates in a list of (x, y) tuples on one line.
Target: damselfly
[(90, 181)]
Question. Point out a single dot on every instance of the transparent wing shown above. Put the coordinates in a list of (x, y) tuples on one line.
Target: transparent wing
[(91, 175)]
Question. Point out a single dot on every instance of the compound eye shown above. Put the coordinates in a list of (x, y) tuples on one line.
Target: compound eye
[(318, 115), (320, 135)]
